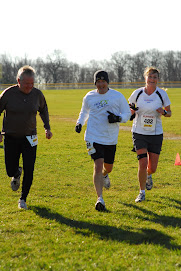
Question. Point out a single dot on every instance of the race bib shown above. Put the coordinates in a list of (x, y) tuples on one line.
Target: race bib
[(148, 122), (90, 148), (33, 140)]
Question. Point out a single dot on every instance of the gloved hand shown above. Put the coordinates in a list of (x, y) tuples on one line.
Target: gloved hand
[(132, 116), (132, 106), (112, 118), (78, 128)]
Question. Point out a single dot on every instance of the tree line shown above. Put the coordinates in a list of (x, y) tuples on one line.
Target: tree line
[(122, 67)]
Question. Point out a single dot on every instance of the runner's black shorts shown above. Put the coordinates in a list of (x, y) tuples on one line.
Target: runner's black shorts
[(153, 143), (107, 152)]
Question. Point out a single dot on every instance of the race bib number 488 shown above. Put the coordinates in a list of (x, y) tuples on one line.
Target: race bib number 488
[(148, 122)]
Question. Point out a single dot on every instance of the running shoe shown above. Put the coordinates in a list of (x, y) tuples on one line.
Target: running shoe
[(100, 204), (140, 197), (149, 182), (22, 204), (15, 182), (106, 181)]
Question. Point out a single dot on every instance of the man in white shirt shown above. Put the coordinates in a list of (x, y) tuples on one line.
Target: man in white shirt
[(104, 108)]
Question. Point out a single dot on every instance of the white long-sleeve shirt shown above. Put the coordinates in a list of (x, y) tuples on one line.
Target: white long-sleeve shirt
[(95, 107)]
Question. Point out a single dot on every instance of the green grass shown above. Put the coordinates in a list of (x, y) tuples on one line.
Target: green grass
[(62, 231)]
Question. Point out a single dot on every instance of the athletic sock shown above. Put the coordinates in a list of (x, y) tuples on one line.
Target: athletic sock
[(142, 191)]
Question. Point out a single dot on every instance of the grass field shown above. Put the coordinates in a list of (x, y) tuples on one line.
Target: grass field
[(62, 230)]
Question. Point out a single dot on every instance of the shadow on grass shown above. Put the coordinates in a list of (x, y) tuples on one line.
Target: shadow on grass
[(159, 219), (178, 202), (145, 236)]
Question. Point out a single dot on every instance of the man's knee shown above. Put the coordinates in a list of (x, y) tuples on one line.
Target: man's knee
[(108, 167), (151, 170)]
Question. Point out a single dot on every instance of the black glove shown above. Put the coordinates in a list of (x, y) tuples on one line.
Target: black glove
[(113, 118), (132, 106), (132, 116), (78, 128)]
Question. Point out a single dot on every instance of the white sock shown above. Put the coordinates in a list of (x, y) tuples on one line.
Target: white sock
[(142, 191)]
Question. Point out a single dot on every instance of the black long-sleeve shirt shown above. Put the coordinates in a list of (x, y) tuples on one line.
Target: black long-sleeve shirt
[(20, 111)]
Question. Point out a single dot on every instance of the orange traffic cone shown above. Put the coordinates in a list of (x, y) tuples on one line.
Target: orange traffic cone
[(177, 160)]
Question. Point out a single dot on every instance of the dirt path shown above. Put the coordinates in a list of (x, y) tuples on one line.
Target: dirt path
[(168, 136)]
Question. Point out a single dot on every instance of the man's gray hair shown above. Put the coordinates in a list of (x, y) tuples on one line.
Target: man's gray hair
[(25, 70)]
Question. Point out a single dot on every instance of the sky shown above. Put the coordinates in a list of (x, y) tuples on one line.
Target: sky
[(88, 29)]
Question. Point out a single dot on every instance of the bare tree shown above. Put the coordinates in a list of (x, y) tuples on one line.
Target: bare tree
[(55, 67), (171, 65), (119, 64), (154, 58), (136, 67), (39, 67), (8, 72), (10, 67), (122, 67)]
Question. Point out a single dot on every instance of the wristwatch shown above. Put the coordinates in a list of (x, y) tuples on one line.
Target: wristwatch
[(165, 112)]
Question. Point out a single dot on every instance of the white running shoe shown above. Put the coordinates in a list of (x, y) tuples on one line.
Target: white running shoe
[(149, 182), (22, 204), (15, 182), (106, 181), (140, 197), (100, 204)]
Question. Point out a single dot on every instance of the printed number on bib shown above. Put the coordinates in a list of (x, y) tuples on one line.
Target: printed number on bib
[(90, 148), (148, 122), (33, 140)]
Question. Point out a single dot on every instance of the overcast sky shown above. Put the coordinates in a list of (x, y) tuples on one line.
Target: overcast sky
[(85, 30)]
